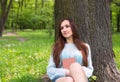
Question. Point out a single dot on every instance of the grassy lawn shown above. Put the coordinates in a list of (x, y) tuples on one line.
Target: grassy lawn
[(116, 48), (24, 57)]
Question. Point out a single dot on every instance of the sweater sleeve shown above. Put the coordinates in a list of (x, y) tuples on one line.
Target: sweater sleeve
[(89, 69), (54, 72)]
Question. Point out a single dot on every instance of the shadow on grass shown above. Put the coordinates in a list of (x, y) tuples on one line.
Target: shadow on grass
[(26, 78)]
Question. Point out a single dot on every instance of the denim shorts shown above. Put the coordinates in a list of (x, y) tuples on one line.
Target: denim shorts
[(54, 80)]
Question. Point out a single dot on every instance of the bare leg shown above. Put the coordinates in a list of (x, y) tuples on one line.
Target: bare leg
[(77, 73), (64, 79)]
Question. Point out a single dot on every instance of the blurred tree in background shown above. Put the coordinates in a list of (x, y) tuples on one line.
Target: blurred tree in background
[(115, 15), (28, 14), (4, 11)]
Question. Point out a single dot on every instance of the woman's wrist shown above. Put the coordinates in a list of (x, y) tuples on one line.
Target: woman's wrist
[(67, 72)]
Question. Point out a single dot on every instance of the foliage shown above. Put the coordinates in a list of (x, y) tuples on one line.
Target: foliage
[(115, 8), (93, 78), (0, 11), (27, 14)]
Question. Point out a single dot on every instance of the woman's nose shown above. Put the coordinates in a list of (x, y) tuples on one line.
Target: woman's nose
[(64, 29)]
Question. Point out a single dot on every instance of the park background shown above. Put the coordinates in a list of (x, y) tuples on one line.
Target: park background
[(28, 35)]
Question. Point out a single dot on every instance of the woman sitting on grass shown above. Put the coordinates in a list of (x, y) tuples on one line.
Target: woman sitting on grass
[(71, 58)]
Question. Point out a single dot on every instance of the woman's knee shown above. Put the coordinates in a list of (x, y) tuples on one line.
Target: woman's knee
[(69, 79), (65, 79), (75, 66)]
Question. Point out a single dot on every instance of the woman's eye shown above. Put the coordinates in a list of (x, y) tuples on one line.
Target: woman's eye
[(61, 27), (67, 26)]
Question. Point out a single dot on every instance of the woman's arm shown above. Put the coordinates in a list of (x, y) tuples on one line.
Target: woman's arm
[(54, 72), (89, 69)]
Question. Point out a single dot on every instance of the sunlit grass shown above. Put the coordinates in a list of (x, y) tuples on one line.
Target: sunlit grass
[(116, 48), (24, 56)]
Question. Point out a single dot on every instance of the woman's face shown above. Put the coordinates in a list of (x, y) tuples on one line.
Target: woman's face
[(66, 29)]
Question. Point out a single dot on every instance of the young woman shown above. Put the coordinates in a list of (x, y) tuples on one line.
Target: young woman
[(69, 45)]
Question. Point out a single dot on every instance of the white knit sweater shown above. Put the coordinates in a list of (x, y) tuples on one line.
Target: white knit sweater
[(69, 51)]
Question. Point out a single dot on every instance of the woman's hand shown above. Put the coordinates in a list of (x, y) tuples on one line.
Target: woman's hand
[(67, 72)]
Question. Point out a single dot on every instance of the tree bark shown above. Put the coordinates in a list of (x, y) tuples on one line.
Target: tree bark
[(101, 42), (93, 19), (4, 13)]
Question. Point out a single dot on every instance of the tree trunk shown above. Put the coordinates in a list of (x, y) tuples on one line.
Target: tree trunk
[(93, 19), (4, 13), (101, 42)]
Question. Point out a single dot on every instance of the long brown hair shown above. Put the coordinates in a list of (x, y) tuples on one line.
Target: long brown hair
[(60, 42)]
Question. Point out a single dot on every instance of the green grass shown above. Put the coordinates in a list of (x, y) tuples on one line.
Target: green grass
[(24, 61), (24, 58), (116, 48)]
